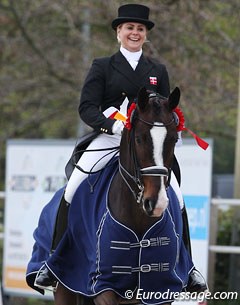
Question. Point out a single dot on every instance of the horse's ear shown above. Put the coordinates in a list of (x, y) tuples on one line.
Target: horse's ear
[(142, 98), (174, 98)]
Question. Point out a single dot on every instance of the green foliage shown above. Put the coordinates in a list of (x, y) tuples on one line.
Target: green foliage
[(47, 47), (227, 222), (222, 260)]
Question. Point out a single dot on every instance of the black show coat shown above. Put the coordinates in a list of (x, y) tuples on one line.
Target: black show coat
[(111, 79)]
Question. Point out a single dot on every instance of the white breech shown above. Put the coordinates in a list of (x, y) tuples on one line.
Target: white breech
[(96, 160), (92, 161)]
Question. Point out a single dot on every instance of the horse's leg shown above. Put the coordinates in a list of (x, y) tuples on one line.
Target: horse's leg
[(89, 301), (63, 296), (81, 300), (107, 298)]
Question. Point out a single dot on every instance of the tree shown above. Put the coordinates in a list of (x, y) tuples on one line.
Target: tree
[(48, 45)]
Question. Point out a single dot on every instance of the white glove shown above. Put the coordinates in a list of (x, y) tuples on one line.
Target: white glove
[(117, 127)]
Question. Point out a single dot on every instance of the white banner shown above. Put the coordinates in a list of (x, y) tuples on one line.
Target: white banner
[(35, 169)]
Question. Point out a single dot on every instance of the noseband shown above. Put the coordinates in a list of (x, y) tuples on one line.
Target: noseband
[(157, 170)]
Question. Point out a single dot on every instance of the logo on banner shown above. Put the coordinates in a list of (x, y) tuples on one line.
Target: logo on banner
[(153, 80), (197, 207)]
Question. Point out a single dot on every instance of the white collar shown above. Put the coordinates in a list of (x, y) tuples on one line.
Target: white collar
[(131, 56)]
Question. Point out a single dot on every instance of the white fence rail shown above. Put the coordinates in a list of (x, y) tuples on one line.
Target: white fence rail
[(224, 249), (225, 202)]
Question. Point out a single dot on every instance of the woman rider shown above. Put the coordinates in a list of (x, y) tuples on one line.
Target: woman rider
[(112, 82)]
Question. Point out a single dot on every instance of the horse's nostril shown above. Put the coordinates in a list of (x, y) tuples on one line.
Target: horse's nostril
[(148, 206)]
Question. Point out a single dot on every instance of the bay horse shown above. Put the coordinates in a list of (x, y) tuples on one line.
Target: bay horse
[(145, 160), (137, 194)]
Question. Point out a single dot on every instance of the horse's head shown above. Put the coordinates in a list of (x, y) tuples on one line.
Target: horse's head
[(152, 139)]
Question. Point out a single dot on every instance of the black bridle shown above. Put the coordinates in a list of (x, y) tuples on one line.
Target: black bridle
[(139, 172)]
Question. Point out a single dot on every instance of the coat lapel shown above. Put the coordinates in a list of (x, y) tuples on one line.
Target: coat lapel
[(136, 77), (143, 68)]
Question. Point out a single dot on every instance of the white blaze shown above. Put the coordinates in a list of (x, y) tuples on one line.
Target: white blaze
[(158, 136)]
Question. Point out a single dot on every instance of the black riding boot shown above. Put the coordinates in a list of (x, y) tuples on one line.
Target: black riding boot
[(45, 277), (60, 224), (196, 282)]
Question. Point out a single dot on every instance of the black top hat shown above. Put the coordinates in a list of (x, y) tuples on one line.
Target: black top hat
[(133, 13)]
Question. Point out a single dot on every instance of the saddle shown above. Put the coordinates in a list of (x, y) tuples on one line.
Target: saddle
[(79, 149)]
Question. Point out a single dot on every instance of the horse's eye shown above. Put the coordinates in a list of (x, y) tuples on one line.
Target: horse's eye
[(173, 138)]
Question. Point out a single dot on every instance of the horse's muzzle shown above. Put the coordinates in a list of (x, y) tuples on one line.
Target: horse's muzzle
[(148, 206), (153, 207), (150, 209)]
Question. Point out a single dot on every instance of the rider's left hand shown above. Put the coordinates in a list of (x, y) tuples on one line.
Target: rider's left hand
[(117, 127)]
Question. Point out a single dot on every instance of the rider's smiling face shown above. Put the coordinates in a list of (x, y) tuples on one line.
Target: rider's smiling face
[(132, 35)]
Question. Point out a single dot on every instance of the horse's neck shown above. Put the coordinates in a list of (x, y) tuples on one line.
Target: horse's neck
[(125, 209)]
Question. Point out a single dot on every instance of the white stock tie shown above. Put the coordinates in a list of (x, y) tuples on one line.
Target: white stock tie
[(133, 63)]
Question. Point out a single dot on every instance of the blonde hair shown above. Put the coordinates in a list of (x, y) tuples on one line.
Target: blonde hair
[(117, 31)]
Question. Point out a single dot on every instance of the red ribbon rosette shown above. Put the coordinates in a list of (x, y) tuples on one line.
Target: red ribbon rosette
[(130, 112), (181, 126), (181, 119)]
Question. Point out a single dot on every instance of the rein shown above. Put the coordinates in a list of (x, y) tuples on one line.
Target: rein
[(92, 171), (110, 149)]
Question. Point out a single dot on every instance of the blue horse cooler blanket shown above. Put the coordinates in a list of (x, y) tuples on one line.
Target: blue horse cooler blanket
[(97, 253)]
